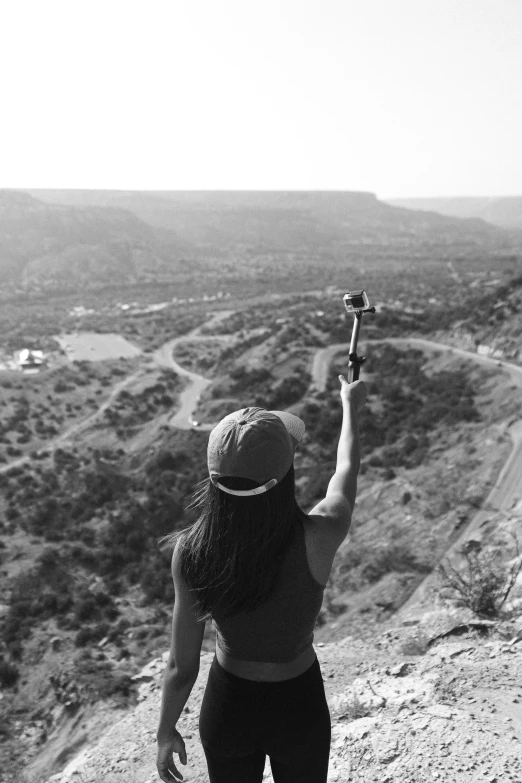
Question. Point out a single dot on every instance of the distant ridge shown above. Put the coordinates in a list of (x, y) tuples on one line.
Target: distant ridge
[(77, 239), (503, 211), (48, 246), (284, 219)]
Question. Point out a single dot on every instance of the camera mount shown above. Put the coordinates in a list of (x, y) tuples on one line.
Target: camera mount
[(356, 302)]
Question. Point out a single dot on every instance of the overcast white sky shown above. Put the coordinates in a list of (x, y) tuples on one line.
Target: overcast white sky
[(399, 97)]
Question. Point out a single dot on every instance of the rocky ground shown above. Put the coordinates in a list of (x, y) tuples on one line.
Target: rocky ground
[(438, 698)]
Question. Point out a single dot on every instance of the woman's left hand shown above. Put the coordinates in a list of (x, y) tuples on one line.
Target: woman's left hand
[(167, 770)]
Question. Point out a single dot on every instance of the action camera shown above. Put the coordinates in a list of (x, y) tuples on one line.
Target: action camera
[(356, 301)]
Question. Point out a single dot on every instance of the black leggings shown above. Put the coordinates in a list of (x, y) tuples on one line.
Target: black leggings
[(242, 721)]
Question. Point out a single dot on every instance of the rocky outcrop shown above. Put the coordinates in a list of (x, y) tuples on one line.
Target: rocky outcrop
[(437, 698)]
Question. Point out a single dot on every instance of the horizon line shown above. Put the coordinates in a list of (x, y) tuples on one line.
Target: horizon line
[(265, 190)]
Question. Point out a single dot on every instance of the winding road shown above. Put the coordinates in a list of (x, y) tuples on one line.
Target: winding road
[(189, 397), (506, 492), (503, 496), (508, 487), (162, 357)]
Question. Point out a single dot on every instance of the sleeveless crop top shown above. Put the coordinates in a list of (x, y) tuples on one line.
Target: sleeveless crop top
[(281, 628)]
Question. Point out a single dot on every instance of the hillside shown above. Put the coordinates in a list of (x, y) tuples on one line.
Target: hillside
[(281, 220), (491, 323), (58, 247), (504, 211), (313, 237), (101, 469), (422, 701)]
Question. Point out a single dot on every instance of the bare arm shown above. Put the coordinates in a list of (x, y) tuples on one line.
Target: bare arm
[(338, 504), (180, 675), (344, 480), (183, 664)]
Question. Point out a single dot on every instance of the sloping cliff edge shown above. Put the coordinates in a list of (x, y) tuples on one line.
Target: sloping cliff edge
[(434, 698)]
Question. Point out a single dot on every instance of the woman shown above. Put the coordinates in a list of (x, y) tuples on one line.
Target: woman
[(257, 566)]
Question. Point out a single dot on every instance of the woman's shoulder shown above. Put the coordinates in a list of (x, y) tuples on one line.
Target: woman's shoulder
[(178, 548), (323, 536), (175, 561), (320, 550)]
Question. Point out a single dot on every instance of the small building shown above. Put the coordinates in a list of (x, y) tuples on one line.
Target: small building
[(29, 360)]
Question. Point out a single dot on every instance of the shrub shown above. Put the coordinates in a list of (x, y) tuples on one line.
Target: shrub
[(9, 674), (114, 585), (484, 582), (41, 592), (355, 709), (168, 460), (289, 390), (394, 557), (91, 635), (80, 552), (108, 684), (83, 637), (156, 582), (44, 517), (86, 609), (111, 612)]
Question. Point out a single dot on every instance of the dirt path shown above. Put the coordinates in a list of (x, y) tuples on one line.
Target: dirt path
[(80, 426), (162, 357), (93, 418)]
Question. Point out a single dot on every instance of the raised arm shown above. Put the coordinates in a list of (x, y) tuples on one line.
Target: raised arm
[(336, 509)]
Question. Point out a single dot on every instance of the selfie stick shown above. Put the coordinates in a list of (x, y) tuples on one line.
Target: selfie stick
[(356, 302)]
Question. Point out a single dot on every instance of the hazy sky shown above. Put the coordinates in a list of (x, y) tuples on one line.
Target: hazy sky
[(399, 97)]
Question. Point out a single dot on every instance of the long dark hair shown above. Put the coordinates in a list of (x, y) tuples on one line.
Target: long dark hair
[(230, 556)]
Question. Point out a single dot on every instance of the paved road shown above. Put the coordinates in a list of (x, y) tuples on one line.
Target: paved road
[(324, 356), (506, 492), (189, 397), (508, 487)]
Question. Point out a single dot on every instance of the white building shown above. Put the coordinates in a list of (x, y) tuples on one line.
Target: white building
[(27, 359)]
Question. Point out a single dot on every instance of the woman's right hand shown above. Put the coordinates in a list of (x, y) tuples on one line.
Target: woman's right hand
[(353, 394)]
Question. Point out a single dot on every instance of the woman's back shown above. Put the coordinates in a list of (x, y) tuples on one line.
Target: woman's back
[(281, 628), (315, 553)]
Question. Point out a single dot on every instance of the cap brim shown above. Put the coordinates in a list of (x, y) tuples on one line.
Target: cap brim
[(295, 426)]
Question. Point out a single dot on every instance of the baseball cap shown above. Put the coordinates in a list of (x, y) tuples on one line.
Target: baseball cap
[(255, 444)]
